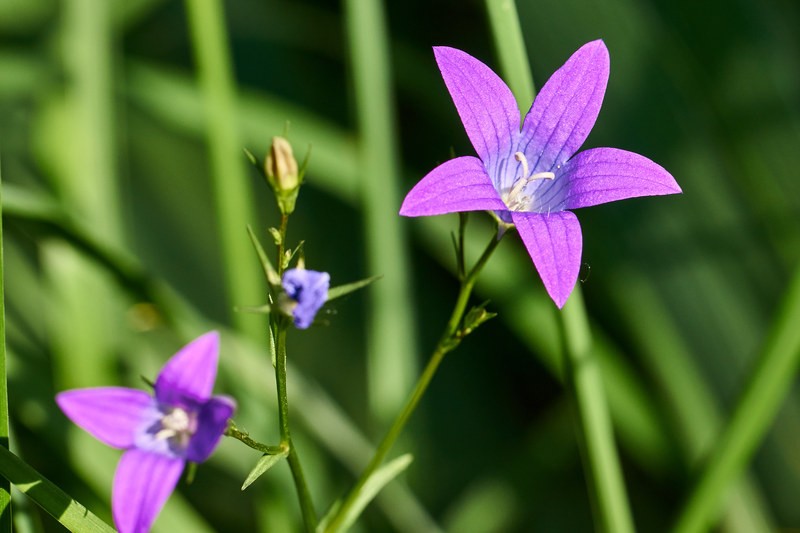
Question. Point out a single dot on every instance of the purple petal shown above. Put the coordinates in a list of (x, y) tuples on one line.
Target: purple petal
[(109, 414), (460, 184), (308, 290), (142, 484), (554, 243), (190, 372), (566, 108), (485, 104), (607, 174), (212, 420)]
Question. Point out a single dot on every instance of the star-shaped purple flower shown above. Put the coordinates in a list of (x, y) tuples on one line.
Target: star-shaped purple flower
[(159, 433), (307, 291), (531, 178)]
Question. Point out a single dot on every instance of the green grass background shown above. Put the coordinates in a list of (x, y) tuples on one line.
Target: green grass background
[(117, 251)]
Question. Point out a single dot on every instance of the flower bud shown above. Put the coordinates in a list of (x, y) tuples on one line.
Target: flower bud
[(281, 166)]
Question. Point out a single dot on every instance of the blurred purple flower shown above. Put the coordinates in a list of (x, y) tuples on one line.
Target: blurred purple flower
[(530, 177), (307, 291), (159, 433)]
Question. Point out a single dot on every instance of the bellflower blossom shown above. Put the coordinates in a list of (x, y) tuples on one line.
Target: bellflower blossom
[(531, 176), (159, 432), (307, 291)]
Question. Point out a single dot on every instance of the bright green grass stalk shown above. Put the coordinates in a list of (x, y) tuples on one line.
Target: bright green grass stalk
[(604, 473), (606, 483), (391, 367), (5, 487), (80, 149), (755, 412), (230, 180), (511, 51), (71, 514)]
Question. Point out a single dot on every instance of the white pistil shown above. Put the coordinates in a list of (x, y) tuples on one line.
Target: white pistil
[(175, 423), (513, 198)]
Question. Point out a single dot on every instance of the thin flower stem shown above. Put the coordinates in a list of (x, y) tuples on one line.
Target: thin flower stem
[(446, 344), (5, 486), (755, 412), (244, 437), (606, 482), (282, 243), (277, 330), (303, 494), (582, 369)]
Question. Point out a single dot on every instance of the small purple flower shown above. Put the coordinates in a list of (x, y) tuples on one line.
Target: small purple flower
[(531, 177), (159, 433), (307, 291)]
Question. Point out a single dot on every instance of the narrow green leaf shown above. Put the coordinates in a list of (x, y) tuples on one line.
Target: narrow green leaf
[(265, 463), (71, 514), (276, 236), (257, 309), (379, 479), (266, 265), (290, 255), (252, 158), (475, 317), (347, 288)]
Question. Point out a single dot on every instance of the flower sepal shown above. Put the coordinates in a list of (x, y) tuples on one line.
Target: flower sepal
[(475, 317)]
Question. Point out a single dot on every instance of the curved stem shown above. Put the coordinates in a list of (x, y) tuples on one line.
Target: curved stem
[(449, 340), (244, 437), (282, 244), (303, 494)]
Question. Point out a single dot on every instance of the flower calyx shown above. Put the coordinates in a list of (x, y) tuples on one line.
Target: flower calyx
[(283, 173)]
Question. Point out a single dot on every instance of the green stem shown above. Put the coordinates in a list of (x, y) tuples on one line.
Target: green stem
[(282, 243), (582, 369), (303, 494), (755, 412), (244, 437), (446, 344), (5, 486)]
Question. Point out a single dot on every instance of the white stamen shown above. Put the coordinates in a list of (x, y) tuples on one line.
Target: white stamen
[(175, 423), (513, 198), (542, 176), (519, 156)]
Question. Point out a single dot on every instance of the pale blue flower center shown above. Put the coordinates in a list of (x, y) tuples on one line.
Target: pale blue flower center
[(516, 198), (179, 425), (167, 430)]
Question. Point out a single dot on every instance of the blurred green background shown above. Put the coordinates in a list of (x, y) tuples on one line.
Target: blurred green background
[(124, 212)]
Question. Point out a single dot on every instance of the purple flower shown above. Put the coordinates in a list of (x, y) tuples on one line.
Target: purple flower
[(159, 433), (531, 177), (307, 291)]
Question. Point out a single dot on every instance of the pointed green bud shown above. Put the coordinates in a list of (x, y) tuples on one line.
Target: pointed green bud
[(281, 166), (283, 174)]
